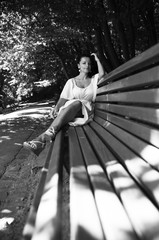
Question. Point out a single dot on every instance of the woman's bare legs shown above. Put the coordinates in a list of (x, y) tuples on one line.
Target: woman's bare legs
[(65, 116)]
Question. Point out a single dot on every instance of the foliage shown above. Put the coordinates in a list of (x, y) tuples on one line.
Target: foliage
[(41, 40)]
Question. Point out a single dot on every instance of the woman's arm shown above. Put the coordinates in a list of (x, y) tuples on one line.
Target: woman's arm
[(101, 71), (65, 95), (59, 104)]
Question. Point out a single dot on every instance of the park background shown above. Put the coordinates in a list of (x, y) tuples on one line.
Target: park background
[(42, 40)]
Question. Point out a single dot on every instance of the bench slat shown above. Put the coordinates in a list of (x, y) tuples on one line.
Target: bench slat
[(140, 147), (48, 221), (142, 213), (84, 220), (133, 163), (147, 133), (143, 60), (31, 218), (136, 81), (142, 114), (107, 202), (132, 197), (147, 97)]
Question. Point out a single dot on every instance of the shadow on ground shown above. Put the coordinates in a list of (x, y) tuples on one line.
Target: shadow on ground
[(18, 180)]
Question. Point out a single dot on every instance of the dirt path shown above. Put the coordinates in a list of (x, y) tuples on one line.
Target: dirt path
[(19, 170)]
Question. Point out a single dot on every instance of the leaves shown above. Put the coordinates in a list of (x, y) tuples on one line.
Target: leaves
[(41, 40)]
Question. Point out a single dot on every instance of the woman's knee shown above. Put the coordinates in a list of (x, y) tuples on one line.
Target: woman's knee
[(76, 105)]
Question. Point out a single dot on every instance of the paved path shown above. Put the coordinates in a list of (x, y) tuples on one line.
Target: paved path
[(19, 170)]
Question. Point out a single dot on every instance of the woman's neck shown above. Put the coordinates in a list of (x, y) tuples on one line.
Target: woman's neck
[(82, 76)]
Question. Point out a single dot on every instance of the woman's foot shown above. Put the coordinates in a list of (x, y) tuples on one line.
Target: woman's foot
[(50, 134), (34, 146)]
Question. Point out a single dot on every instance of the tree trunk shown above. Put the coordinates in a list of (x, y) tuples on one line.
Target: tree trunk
[(105, 62), (2, 79), (150, 25), (131, 33), (120, 30), (106, 32)]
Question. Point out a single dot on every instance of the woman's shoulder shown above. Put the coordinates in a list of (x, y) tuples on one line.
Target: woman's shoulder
[(70, 81), (95, 78)]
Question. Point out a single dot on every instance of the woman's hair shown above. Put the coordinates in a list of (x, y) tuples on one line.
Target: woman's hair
[(81, 56), (94, 69)]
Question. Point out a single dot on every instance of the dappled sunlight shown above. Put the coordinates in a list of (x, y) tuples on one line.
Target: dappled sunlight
[(6, 220), (18, 144), (112, 226), (151, 176), (82, 196), (29, 113), (44, 225), (95, 169), (134, 200), (136, 165), (104, 196), (151, 179), (5, 137), (151, 155), (121, 179), (22, 120)]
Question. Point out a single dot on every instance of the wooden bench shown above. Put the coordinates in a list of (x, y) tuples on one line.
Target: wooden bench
[(114, 163)]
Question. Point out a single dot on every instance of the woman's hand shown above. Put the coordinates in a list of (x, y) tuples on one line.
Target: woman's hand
[(95, 56), (101, 71), (53, 113)]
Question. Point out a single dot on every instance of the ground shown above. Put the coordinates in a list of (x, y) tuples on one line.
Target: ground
[(19, 170)]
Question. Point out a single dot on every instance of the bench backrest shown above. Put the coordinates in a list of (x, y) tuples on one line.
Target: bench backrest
[(127, 107), (128, 100)]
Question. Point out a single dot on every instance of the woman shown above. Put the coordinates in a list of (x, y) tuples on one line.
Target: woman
[(74, 105)]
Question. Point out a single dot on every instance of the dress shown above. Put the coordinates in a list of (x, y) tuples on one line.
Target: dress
[(86, 96)]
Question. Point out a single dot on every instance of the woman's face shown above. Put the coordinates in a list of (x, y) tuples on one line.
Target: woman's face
[(85, 65)]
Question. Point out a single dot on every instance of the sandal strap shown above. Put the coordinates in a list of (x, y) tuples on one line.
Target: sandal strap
[(52, 130), (33, 144)]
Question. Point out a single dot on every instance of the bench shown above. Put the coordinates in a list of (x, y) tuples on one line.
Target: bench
[(113, 164)]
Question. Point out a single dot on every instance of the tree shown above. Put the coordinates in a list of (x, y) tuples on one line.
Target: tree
[(41, 40)]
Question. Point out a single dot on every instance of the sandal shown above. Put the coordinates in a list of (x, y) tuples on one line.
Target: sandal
[(50, 133), (34, 146)]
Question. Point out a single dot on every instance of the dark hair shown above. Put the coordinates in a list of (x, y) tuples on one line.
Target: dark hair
[(78, 59), (94, 69)]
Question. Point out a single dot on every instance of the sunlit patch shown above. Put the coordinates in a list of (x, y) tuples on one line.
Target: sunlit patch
[(7, 211), (4, 222), (150, 154), (150, 176), (33, 112), (5, 137), (18, 144)]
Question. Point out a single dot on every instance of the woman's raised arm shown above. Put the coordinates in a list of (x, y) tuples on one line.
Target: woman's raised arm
[(101, 71)]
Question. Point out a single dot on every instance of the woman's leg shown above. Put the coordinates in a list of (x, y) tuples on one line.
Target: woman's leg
[(65, 116)]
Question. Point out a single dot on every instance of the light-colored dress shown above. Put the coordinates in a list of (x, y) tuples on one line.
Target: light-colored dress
[(86, 96)]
